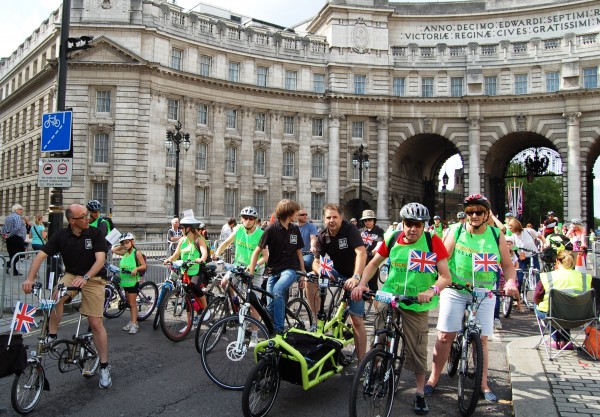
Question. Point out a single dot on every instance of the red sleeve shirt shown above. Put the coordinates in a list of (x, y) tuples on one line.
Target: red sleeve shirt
[(437, 245)]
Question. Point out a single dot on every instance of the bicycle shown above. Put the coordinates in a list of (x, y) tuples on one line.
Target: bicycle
[(530, 280), (373, 390), (298, 356), (164, 289), (225, 346), (466, 352), (116, 302)]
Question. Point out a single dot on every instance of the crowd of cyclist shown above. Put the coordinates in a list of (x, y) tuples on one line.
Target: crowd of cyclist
[(291, 243)]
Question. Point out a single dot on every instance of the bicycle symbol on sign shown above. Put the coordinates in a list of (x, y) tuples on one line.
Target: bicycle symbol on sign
[(52, 120)]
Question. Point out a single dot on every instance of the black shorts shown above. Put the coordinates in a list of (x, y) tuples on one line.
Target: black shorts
[(133, 290)]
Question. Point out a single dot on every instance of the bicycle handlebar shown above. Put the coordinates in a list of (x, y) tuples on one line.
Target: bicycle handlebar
[(395, 298), (468, 287), (314, 278)]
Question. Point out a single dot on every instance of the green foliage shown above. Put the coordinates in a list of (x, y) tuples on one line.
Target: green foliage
[(542, 195)]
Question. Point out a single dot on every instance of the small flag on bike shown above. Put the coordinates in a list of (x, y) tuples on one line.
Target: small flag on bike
[(23, 318), (421, 261), (485, 262), (326, 266), (367, 238)]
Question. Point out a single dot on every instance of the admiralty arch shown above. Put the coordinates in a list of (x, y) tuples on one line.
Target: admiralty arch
[(275, 112)]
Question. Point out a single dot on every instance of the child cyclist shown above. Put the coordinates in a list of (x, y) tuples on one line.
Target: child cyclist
[(132, 264)]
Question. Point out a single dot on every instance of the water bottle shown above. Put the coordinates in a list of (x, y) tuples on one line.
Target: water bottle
[(236, 304)]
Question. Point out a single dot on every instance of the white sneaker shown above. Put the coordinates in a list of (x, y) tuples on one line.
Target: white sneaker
[(105, 379), (253, 340), (127, 327), (133, 329), (206, 316), (497, 324)]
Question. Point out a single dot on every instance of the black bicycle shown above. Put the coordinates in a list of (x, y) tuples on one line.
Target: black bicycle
[(115, 298)]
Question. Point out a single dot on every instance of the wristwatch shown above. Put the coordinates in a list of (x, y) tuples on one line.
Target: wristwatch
[(356, 276), (86, 277)]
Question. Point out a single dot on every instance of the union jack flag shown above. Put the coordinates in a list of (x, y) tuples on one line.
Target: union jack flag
[(367, 238), (24, 317), (326, 266), (421, 261), (485, 262)]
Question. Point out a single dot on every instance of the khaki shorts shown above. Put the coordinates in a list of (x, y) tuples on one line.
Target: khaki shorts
[(92, 295), (416, 328)]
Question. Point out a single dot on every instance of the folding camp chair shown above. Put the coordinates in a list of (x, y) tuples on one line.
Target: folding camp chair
[(567, 312)]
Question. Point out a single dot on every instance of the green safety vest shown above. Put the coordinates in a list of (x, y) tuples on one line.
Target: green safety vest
[(461, 261), (128, 263), (99, 219), (565, 280), (245, 244), (439, 230), (414, 282), (189, 252)]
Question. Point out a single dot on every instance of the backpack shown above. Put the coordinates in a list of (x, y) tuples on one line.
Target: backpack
[(137, 263), (108, 220)]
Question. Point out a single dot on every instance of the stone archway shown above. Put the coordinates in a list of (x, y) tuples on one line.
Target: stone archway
[(593, 156)]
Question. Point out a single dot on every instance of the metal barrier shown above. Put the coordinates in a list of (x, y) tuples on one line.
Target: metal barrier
[(595, 258), (155, 253)]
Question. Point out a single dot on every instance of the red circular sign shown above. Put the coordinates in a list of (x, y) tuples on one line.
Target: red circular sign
[(62, 169), (47, 168)]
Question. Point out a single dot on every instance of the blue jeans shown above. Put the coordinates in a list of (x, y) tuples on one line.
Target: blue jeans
[(278, 285), (308, 261)]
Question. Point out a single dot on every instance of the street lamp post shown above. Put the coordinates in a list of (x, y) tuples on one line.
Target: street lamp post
[(177, 138), (360, 160), (444, 184)]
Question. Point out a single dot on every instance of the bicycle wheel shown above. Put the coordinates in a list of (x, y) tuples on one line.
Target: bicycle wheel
[(334, 302), (146, 299), (89, 360), (64, 362), (114, 306), (399, 358), (164, 290), (453, 358), (507, 305), (346, 331), (298, 314), (226, 357), (27, 388), (260, 389), (527, 292), (176, 315), (470, 374), (372, 392), (216, 310)]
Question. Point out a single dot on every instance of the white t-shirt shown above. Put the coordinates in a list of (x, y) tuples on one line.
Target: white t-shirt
[(526, 241)]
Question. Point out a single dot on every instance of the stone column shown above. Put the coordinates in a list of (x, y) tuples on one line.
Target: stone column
[(217, 167), (383, 179), (474, 154), (304, 159), (573, 166), (333, 162)]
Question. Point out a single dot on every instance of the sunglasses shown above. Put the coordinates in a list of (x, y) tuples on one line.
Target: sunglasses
[(410, 223), (476, 213), (248, 218)]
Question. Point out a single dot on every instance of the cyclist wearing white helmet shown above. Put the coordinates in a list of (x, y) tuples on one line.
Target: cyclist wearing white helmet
[(192, 247), (577, 236), (437, 227), (132, 264)]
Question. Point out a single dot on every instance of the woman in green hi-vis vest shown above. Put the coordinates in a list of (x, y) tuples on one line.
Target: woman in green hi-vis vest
[(477, 236)]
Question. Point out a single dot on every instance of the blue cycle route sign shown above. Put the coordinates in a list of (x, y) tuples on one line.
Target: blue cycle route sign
[(56, 131)]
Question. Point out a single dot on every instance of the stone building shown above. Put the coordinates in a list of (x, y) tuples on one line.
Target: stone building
[(275, 113)]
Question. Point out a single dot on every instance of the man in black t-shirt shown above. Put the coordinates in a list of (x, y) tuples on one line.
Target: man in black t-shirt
[(281, 245), (342, 243), (83, 249)]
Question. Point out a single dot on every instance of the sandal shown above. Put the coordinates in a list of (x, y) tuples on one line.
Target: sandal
[(429, 390), (489, 396)]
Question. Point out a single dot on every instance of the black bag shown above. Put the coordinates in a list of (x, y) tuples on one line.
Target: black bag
[(13, 358), (111, 224)]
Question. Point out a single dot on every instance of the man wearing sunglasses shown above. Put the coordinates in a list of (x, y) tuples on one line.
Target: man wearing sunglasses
[(408, 248), (475, 236)]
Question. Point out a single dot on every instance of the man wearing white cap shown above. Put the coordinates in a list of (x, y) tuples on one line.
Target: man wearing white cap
[(14, 232), (372, 236)]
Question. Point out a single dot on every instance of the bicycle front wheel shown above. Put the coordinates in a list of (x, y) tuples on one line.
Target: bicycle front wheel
[(146, 299), (89, 358), (27, 388), (260, 389), (226, 355), (507, 305), (216, 310), (470, 374), (298, 314), (372, 392), (453, 358), (527, 292), (114, 306), (176, 315)]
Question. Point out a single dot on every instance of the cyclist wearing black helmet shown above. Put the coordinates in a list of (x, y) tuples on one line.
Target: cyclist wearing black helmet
[(476, 236), (94, 208)]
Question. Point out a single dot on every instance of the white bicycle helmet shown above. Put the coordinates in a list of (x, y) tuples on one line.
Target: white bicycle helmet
[(414, 211), (461, 215), (577, 221), (126, 236), (249, 211)]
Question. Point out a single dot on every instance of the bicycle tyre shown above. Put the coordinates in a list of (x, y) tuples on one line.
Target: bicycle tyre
[(89, 358), (507, 305), (372, 392), (348, 352), (219, 308), (298, 314), (176, 315), (334, 303), (399, 358), (453, 358), (27, 388), (114, 306), (163, 292), (146, 299), (225, 364), (527, 292), (260, 389), (470, 374)]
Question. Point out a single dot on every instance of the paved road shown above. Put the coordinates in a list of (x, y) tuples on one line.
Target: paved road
[(155, 377)]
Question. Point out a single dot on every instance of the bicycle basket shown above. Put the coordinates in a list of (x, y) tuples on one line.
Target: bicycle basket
[(313, 349), (13, 358)]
